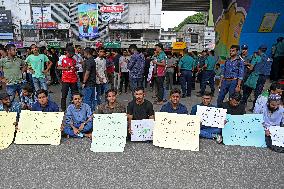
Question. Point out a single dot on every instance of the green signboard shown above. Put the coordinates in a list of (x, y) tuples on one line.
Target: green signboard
[(54, 44), (112, 45)]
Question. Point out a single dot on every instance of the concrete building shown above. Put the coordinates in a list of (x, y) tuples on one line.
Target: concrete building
[(119, 21), (167, 37)]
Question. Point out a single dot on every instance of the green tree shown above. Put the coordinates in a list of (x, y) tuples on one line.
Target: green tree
[(196, 18)]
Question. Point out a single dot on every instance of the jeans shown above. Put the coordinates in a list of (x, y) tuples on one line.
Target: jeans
[(160, 92), (207, 76), (12, 89), (209, 132), (124, 79), (169, 80), (257, 91), (186, 77), (90, 97), (100, 90), (135, 82), (40, 83), (226, 86), (116, 82), (65, 90), (69, 130)]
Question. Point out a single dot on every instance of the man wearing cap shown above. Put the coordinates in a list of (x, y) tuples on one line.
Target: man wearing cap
[(161, 63), (273, 115), (261, 71), (69, 75), (231, 75), (247, 59), (7, 105), (136, 68), (12, 67)]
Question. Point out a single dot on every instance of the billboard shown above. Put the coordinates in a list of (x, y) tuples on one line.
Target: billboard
[(41, 14), (88, 20), (111, 13), (5, 17), (6, 35)]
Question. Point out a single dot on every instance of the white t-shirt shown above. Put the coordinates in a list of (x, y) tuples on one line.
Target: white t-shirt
[(101, 69), (123, 61), (79, 61)]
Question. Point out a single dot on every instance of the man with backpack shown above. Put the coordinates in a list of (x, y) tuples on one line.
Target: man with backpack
[(232, 75)]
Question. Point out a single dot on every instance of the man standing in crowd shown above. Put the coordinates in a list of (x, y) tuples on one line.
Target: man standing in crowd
[(89, 79), (101, 75), (174, 106), (79, 63), (116, 57), (261, 72), (208, 74), (69, 75), (208, 132), (36, 65), (170, 71), (123, 61), (232, 75), (277, 71), (161, 64), (136, 68), (54, 59), (13, 68), (186, 66), (244, 56)]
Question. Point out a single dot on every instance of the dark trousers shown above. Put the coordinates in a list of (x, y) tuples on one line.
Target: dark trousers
[(145, 79), (169, 80), (124, 79), (277, 68), (53, 75), (257, 91), (160, 88), (226, 86), (193, 80), (207, 76), (185, 80), (64, 90)]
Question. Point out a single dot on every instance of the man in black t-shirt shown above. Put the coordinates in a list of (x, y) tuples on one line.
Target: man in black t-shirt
[(89, 79), (233, 106), (139, 108)]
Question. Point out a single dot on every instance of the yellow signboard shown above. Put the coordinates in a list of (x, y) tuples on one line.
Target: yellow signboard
[(179, 45), (268, 22)]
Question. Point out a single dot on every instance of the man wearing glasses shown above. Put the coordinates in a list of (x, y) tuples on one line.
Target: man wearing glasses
[(232, 75)]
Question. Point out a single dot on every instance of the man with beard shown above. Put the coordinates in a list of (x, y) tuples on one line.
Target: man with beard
[(174, 106), (273, 115)]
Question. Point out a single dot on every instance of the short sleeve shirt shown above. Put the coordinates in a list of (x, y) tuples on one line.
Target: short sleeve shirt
[(69, 76), (106, 109), (37, 64), (140, 111), (161, 69), (90, 65), (12, 69), (101, 69)]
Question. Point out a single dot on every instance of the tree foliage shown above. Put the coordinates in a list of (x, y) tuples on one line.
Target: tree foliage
[(196, 18)]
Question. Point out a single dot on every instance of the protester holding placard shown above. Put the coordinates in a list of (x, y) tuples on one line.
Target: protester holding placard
[(79, 119), (233, 106), (111, 106), (174, 106), (273, 115), (43, 103), (9, 106), (208, 132)]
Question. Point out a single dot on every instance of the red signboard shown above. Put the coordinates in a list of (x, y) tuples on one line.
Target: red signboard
[(112, 8), (46, 25)]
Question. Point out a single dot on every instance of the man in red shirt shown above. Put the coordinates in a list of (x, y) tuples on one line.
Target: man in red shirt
[(69, 75)]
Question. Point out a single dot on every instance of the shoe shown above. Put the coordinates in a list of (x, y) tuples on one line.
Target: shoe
[(251, 110), (189, 95), (199, 95), (183, 96), (198, 92), (159, 103), (218, 138)]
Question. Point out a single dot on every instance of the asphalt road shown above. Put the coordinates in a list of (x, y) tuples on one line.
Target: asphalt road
[(141, 165)]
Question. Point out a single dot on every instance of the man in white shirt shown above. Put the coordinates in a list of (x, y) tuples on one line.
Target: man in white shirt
[(123, 61), (101, 79)]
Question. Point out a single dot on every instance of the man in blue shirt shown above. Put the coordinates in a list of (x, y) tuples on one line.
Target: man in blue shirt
[(43, 103), (136, 68), (79, 118), (262, 70), (232, 75), (186, 66), (207, 132), (8, 106), (174, 106)]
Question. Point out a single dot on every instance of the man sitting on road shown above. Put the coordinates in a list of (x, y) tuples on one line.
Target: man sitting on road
[(174, 106), (43, 103), (233, 106)]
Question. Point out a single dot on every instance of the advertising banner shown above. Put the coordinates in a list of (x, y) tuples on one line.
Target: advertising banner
[(111, 17), (111, 13), (268, 22), (5, 17), (112, 8), (88, 20), (41, 14), (6, 35), (46, 25)]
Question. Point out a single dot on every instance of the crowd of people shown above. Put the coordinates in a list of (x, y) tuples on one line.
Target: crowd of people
[(93, 78)]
